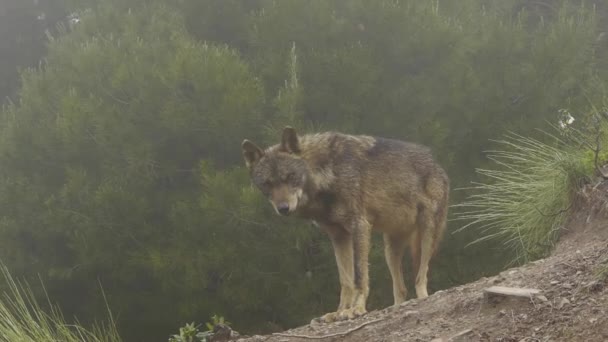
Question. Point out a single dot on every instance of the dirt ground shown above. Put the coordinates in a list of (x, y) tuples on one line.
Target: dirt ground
[(572, 304)]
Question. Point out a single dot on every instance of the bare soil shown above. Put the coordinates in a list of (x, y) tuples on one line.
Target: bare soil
[(572, 304)]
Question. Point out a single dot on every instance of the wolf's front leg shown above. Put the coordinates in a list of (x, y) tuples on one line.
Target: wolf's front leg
[(361, 236), (342, 242)]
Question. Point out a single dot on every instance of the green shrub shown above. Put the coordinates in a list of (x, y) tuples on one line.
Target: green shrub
[(191, 333)]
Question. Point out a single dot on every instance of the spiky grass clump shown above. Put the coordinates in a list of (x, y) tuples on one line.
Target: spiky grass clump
[(23, 320), (527, 196)]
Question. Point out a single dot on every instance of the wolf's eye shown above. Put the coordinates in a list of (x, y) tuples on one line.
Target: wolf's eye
[(290, 177)]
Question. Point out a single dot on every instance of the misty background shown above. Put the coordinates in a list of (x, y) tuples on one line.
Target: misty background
[(120, 133)]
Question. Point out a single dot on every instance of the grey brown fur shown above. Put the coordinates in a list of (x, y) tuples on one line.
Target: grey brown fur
[(350, 185)]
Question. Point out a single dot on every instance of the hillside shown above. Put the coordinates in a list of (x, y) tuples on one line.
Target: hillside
[(572, 303)]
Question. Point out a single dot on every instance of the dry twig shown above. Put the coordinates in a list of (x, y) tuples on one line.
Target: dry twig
[(330, 335)]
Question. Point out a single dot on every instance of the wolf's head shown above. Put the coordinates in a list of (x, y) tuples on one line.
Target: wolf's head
[(279, 172)]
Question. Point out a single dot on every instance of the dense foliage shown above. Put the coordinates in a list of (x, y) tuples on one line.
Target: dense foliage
[(24, 26), (120, 156)]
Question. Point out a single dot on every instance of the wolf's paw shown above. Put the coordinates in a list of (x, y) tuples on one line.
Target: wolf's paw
[(351, 313), (327, 318)]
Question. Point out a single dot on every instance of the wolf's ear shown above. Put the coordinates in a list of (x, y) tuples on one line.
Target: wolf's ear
[(290, 142), (251, 152)]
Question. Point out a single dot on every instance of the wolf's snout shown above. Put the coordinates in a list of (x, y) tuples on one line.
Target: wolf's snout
[(283, 208)]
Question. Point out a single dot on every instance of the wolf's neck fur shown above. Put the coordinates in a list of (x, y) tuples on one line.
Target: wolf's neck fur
[(319, 152), (315, 201)]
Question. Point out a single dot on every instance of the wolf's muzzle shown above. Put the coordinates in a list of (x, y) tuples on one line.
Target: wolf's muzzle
[(283, 208)]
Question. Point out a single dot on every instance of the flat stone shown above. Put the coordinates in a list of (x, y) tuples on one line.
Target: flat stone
[(510, 291)]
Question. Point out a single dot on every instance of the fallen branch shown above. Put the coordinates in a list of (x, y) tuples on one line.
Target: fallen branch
[(330, 335)]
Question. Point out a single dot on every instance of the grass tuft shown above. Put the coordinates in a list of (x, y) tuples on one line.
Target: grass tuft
[(527, 196), (23, 320)]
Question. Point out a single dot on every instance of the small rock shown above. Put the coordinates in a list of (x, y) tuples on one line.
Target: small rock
[(542, 298), (595, 286), (461, 336), (502, 312), (221, 332), (562, 303), (554, 282), (425, 331), (498, 280), (579, 272), (567, 286), (592, 320)]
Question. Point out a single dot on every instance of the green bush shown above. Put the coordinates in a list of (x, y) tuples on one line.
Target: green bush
[(527, 195), (100, 163)]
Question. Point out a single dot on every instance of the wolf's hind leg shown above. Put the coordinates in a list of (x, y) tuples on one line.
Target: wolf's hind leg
[(427, 230), (394, 249), (414, 247)]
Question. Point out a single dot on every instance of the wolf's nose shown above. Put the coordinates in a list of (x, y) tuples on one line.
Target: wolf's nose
[(283, 208)]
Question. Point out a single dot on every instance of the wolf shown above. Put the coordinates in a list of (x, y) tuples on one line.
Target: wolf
[(349, 185)]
